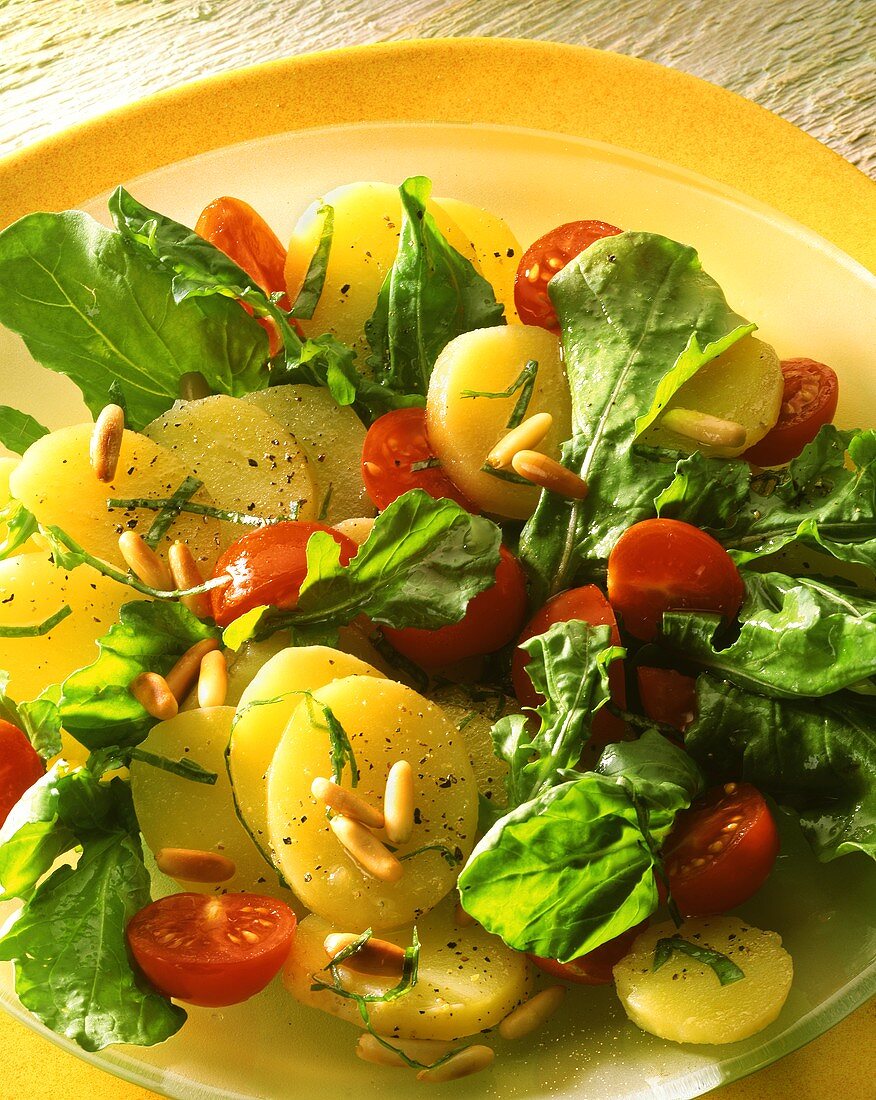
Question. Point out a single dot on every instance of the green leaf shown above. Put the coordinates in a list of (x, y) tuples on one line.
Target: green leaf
[(18, 430), (169, 511), (431, 295), (708, 492), (726, 971), (20, 524), (305, 304), (39, 719), (90, 305)]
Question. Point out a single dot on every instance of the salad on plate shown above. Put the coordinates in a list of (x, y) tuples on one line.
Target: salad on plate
[(433, 623)]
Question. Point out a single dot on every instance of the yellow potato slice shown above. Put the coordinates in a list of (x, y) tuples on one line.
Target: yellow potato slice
[(744, 384), (468, 979), (55, 481), (245, 458), (684, 1001), (385, 722), (7, 465), (463, 430), (265, 707), (31, 590), (177, 813), (474, 713), (332, 438)]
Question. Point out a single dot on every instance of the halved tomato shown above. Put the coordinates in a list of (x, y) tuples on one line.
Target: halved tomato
[(20, 766), (808, 402), (594, 968)]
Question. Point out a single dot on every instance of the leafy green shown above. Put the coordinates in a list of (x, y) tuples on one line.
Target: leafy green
[(170, 511), (20, 524), (430, 295), (816, 756), (709, 492), (726, 971), (90, 305), (305, 304), (18, 430), (39, 719)]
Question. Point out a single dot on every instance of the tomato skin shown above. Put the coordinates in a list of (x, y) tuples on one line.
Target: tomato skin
[(589, 604), (243, 235), (20, 766), (545, 258), (182, 944), (668, 696), (730, 876), (395, 443), (491, 620), (268, 566), (809, 402), (665, 565), (594, 968)]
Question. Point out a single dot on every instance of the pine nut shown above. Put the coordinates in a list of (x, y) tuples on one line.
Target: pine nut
[(346, 802), (152, 693), (106, 442), (427, 1051), (532, 1013), (377, 957), (702, 428), (194, 865), (549, 474), (463, 919), (522, 438), (468, 1061), (193, 386), (398, 803), (181, 678), (373, 857), (187, 574), (358, 529), (142, 560), (213, 679), (731, 788)]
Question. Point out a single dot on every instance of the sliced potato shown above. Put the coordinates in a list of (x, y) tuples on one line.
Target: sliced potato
[(474, 711), (744, 384), (332, 438), (684, 1001), (463, 430), (357, 528), (55, 481), (265, 707), (384, 722), (244, 665), (468, 979)]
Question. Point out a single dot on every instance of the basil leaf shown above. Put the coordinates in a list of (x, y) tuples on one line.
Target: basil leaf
[(18, 430), (726, 971), (430, 295), (37, 630), (90, 305), (311, 289), (39, 719), (184, 767)]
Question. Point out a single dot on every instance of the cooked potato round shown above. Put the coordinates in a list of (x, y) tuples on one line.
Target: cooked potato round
[(474, 712), (385, 722), (463, 430), (684, 1001), (468, 979)]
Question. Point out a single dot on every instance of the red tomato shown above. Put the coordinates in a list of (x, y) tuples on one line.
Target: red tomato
[(588, 604), (668, 696), (721, 850), (212, 951), (267, 566), (492, 619), (20, 766), (665, 565), (809, 401), (397, 457), (596, 966), (543, 259)]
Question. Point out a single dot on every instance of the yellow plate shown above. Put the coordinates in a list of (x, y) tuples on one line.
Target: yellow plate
[(541, 134)]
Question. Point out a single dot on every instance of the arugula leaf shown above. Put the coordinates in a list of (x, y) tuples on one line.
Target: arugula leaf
[(18, 430), (798, 638), (708, 492), (97, 707), (20, 524), (40, 718), (91, 306), (430, 295), (816, 756), (305, 304), (726, 971)]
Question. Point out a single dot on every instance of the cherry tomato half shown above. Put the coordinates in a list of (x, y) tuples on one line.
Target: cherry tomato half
[(20, 766), (668, 696), (665, 565), (809, 401), (721, 850), (234, 227), (543, 259), (588, 604), (212, 951), (594, 968), (397, 457), (268, 566), (491, 620)]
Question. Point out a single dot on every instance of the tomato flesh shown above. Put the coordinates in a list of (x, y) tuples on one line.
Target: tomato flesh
[(545, 258), (20, 766), (491, 620), (808, 402), (594, 968), (721, 850), (668, 696), (245, 237), (268, 566), (212, 951), (590, 605), (397, 457), (665, 565)]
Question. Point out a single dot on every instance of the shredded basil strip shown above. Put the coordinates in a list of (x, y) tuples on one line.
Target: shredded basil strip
[(450, 857), (504, 475), (426, 464), (185, 769), (340, 750), (525, 382), (159, 526), (326, 501), (161, 503), (38, 629), (725, 969), (311, 289)]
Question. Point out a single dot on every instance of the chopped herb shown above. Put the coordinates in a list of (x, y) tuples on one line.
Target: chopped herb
[(161, 523), (326, 501), (311, 289), (725, 969), (185, 769), (340, 749), (504, 475), (20, 525), (245, 519), (453, 857), (38, 629), (525, 382), (426, 464)]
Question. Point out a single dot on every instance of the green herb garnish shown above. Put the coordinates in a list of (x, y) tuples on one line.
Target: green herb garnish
[(725, 969)]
